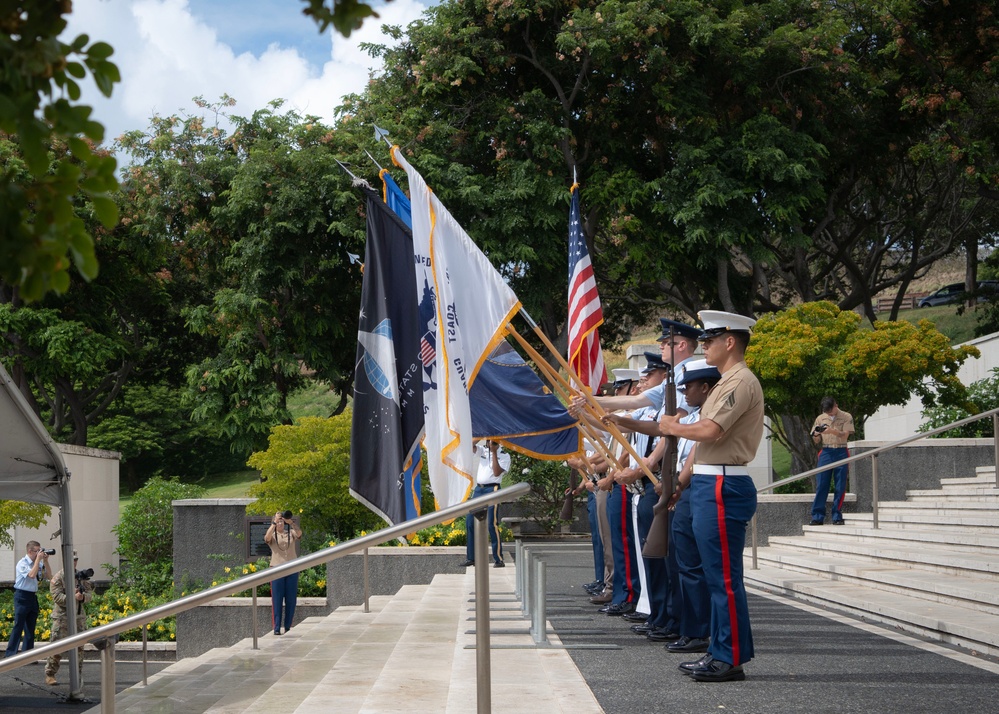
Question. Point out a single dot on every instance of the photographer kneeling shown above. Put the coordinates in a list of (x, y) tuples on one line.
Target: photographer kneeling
[(80, 593)]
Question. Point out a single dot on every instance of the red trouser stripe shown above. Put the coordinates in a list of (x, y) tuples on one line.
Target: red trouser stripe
[(727, 570), (627, 545)]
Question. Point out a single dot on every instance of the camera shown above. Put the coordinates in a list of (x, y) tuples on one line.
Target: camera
[(48, 551), (85, 574), (820, 428), (287, 515)]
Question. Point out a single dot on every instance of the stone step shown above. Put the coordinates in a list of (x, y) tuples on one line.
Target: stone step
[(949, 507), (914, 519), (963, 493), (967, 592), (413, 652), (939, 559), (956, 539), (231, 679), (966, 627)]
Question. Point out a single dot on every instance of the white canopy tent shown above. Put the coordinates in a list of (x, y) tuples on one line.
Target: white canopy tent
[(32, 469)]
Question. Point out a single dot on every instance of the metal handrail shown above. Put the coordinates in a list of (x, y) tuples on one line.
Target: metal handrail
[(246, 582), (873, 455)]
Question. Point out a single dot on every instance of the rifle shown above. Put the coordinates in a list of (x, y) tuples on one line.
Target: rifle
[(566, 514), (657, 542)]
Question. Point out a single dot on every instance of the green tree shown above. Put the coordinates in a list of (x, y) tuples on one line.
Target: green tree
[(264, 221), (983, 395), (306, 469), (740, 154), (807, 352), (41, 235), (20, 513), (145, 534)]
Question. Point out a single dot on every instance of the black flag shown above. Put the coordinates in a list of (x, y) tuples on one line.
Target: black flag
[(388, 384)]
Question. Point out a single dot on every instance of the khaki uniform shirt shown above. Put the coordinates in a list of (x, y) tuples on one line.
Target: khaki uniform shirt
[(284, 548), (736, 405), (841, 422)]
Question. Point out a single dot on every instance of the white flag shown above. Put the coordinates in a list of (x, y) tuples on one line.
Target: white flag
[(471, 305)]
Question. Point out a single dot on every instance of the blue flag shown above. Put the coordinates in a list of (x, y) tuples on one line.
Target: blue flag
[(511, 405), (388, 395)]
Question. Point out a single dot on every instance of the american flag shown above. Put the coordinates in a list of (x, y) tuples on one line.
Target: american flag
[(585, 314)]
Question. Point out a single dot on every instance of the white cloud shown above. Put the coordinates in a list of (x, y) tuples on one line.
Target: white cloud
[(168, 55)]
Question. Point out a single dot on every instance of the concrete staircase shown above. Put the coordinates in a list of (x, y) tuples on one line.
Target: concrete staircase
[(408, 654), (931, 568)]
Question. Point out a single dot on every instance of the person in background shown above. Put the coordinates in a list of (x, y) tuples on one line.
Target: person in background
[(493, 462), (283, 537), (832, 429), (29, 570), (79, 594)]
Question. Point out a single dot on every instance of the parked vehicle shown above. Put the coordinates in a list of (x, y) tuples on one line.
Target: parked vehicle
[(955, 293)]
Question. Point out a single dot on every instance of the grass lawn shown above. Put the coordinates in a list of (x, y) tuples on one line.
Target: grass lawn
[(232, 484)]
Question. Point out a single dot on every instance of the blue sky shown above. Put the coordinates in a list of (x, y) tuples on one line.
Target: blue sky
[(170, 51)]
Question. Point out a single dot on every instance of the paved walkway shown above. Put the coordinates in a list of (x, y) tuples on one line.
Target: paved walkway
[(807, 661)]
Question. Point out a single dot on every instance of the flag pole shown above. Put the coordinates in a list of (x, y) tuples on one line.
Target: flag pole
[(596, 410), (564, 392)]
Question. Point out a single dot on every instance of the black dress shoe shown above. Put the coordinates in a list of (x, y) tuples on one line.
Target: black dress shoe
[(718, 671), (661, 634), (467, 563), (636, 616), (839, 522), (595, 585), (815, 522), (689, 644), (642, 629), (605, 608), (621, 609), (499, 564), (691, 667)]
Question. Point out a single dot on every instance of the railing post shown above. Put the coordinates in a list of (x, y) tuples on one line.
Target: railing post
[(518, 557), (874, 489), (539, 614), (107, 677), (253, 621), (483, 666), (995, 444), (145, 655), (367, 588), (526, 606), (753, 524)]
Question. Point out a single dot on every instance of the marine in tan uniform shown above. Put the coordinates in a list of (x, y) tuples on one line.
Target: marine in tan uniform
[(722, 495)]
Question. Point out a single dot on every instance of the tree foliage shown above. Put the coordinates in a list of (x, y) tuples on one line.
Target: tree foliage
[(306, 469), (20, 513), (145, 531), (732, 154), (41, 235), (262, 220), (983, 395), (807, 352)]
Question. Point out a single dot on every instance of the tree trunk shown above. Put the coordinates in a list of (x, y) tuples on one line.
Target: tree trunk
[(796, 433)]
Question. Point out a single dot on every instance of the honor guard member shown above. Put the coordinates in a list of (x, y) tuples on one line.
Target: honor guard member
[(679, 341), (627, 589), (658, 626), (722, 495), (493, 463), (691, 598), (832, 429)]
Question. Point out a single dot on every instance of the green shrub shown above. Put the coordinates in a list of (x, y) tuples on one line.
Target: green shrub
[(145, 532)]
